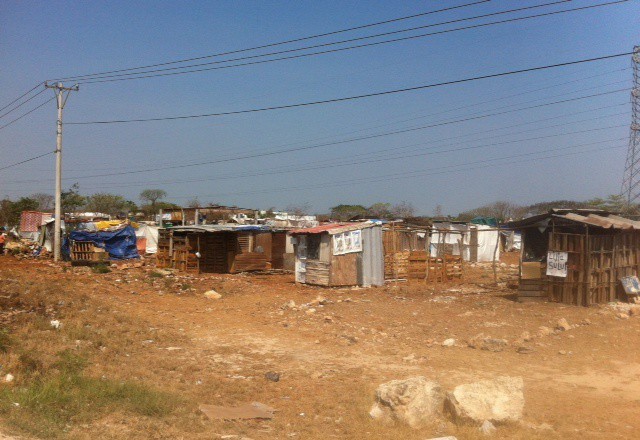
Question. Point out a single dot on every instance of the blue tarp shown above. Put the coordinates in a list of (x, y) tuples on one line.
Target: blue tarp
[(121, 244)]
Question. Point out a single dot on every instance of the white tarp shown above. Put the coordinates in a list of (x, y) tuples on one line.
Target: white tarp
[(149, 232), (488, 237)]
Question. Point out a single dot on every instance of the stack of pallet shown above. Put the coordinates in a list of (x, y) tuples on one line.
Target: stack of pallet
[(163, 258), (85, 252), (396, 264), (453, 267), (418, 264), (532, 285)]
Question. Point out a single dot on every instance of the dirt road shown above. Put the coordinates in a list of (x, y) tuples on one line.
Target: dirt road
[(331, 347)]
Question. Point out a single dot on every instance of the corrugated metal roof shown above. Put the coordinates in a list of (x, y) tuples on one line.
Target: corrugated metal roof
[(219, 228), (605, 222), (335, 228)]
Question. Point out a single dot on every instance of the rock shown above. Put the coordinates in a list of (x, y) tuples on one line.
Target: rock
[(499, 401), (55, 324), (9, 378), (524, 350), (449, 342), (272, 376), (487, 343), (545, 331), (212, 294), (487, 428), (562, 325), (622, 315), (415, 401), (562, 352), (525, 336)]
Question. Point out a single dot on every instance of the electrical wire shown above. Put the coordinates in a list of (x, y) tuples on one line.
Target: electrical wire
[(402, 175), (350, 98), (264, 46), (27, 113), (22, 103), (21, 96), (94, 79), (315, 146), (356, 46), (26, 160)]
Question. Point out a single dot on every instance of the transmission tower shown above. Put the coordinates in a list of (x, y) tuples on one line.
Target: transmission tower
[(631, 179)]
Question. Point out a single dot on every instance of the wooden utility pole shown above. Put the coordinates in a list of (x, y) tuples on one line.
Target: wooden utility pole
[(62, 94)]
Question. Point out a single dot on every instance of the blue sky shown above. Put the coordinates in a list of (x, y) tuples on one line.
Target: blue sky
[(44, 40)]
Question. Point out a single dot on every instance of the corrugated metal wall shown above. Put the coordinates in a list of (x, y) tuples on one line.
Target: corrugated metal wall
[(372, 272)]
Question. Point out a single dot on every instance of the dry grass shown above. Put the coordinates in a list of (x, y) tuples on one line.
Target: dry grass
[(53, 390)]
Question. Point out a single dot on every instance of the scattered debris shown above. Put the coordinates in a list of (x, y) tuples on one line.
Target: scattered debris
[(212, 294), (562, 325), (272, 376)]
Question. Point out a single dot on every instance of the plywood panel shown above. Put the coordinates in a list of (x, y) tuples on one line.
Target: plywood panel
[(278, 249), (344, 269)]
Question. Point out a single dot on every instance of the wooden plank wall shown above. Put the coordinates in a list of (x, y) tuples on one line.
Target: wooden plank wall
[(596, 264), (278, 249), (318, 272)]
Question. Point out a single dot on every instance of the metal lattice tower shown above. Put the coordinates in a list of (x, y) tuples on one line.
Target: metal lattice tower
[(631, 179)]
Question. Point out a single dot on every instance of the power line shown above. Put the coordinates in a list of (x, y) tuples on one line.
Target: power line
[(309, 147), (350, 98), (21, 96), (264, 46), (386, 150), (22, 103), (404, 175), (26, 160), (27, 113), (103, 76), (349, 47)]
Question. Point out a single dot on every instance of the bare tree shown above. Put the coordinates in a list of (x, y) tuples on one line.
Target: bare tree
[(45, 201), (299, 209), (403, 210), (194, 203)]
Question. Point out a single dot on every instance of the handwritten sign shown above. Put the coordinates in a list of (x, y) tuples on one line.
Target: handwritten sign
[(557, 264), (631, 285)]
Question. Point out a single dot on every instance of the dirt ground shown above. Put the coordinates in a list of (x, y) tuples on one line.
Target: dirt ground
[(143, 326)]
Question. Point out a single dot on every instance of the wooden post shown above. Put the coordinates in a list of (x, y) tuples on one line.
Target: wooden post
[(160, 222), (196, 217), (495, 251)]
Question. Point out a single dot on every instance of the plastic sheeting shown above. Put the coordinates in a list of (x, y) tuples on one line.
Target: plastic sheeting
[(121, 245), (151, 234), (487, 239)]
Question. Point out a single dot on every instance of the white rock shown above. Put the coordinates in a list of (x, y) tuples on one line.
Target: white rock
[(415, 401), (563, 325), (449, 342), (55, 324), (487, 428), (9, 378), (499, 401), (212, 294)]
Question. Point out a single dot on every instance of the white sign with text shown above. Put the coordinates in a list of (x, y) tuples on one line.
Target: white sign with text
[(557, 264)]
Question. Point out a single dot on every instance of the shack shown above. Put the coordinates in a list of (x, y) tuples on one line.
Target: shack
[(220, 248), (340, 254), (405, 250), (576, 256)]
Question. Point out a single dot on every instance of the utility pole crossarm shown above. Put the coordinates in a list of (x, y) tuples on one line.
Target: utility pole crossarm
[(62, 95)]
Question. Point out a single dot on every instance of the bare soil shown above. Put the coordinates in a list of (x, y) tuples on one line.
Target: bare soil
[(161, 331)]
